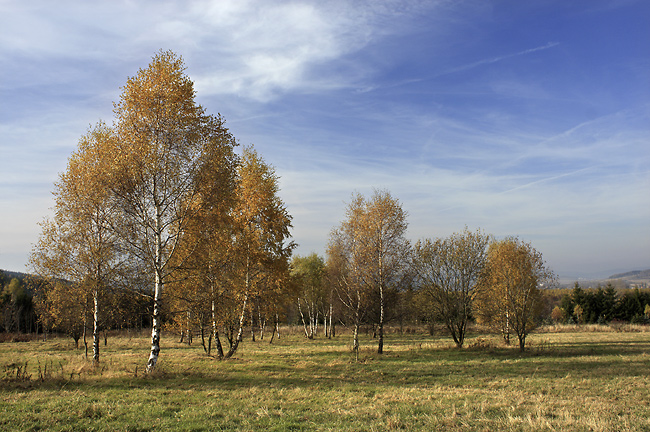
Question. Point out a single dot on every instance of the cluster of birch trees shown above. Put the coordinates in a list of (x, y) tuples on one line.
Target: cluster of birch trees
[(468, 275), (159, 204), (159, 209)]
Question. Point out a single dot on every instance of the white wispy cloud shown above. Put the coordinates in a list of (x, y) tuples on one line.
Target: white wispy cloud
[(340, 98)]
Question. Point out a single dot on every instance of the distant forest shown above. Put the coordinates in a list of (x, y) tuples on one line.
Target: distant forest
[(601, 305)]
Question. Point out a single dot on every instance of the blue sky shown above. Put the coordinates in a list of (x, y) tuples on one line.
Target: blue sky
[(520, 118)]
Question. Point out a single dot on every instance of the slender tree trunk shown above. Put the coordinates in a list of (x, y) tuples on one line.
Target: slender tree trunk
[(217, 341), (252, 325), (157, 297), (215, 331), (302, 317), (96, 326), (355, 341), (275, 328), (84, 335), (206, 348), (261, 322), (155, 330), (331, 328), (522, 342), (188, 326), (240, 333)]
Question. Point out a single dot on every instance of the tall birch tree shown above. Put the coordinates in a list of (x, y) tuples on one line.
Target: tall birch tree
[(345, 262), (261, 226), (386, 250), (163, 136), (79, 244), (368, 257)]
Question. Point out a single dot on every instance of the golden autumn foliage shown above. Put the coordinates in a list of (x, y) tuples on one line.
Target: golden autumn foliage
[(261, 228), (173, 161), (368, 256), (509, 298), (164, 192), (78, 253)]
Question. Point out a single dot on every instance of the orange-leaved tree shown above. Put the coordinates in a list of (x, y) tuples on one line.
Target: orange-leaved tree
[(78, 250), (510, 297), (164, 136), (368, 258), (260, 247)]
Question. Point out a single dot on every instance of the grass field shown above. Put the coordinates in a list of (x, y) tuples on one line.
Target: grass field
[(571, 380)]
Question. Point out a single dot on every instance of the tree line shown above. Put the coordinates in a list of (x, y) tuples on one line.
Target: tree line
[(158, 219), (602, 305), (16, 306)]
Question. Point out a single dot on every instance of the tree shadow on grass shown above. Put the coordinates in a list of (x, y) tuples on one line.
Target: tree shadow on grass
[(406, 365)]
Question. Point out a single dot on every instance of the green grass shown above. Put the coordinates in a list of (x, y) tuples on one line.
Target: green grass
[(579, 381)]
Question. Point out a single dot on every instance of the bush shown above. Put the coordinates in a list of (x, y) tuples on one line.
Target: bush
[(638, 319), (15, 337)]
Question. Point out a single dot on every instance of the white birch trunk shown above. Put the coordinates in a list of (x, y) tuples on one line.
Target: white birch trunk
[(96, 326), (330, 318), (302, 317), (355, 341), (155, 321), (242, 317)]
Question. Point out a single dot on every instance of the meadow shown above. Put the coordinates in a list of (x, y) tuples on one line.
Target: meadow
[(567, 380)]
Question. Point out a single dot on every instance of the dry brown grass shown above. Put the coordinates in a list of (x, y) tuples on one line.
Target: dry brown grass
[(582, 380)]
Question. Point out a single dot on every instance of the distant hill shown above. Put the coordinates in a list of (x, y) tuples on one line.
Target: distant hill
[(636, 274), (12, 274)]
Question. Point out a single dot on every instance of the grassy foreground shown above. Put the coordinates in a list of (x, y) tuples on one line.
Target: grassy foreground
[(578, 381)]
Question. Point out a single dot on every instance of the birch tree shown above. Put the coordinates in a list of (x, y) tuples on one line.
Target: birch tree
[(343, 275), (386, 250), (309, 274), (203, 259), (510, 299), (373, 255), (163, 137), (79, 245), (448, 272), (261, 226), (345, 260)]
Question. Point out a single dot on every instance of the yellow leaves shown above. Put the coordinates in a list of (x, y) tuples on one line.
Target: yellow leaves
[(509, 296), (259, 214), (89, 171)]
